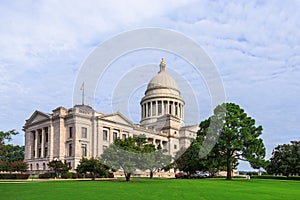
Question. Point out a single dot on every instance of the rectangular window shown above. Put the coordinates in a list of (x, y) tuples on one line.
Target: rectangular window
[(70, 132), (123, 136), (46, 152), (105, 135), (115, 136), (33, 132), (46, 134), (159, 108), (70, 149), (40, 138), (46, 137), (83, 150), (84, 132), (149, 109), (175, 146), (40, 153), (153, 108)]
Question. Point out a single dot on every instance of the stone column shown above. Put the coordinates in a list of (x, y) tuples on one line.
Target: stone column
[(43, 143), (146, 104), (110, 135), (156, 103), (168, 106), (182, 112), (173, 108), (36, 143), (151, 114)]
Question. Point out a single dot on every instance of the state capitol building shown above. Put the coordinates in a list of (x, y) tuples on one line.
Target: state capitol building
[(81, 131)]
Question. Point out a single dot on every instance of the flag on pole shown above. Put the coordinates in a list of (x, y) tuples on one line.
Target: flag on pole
[(82, 86)]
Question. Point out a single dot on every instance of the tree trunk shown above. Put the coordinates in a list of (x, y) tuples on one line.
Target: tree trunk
[(229, 169), (127, 176), (151, 174), (93, 176)]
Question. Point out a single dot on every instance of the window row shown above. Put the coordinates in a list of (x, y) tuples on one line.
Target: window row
[(39, 135), (115, 135)]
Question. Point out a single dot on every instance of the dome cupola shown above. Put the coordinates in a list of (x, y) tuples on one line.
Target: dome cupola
[(162, 97)]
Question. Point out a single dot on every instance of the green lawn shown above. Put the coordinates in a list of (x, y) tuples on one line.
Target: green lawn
[(152, 189)]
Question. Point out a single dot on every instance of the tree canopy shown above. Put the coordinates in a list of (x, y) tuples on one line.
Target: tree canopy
[(285, 159), (230, 136), (93, 166), (131, 154), (58, 167), (11, 154)]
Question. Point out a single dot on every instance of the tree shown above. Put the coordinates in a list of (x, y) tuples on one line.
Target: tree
[(58, 166), (154, 160), (17, 166), (238, 137), (231, 136), (94, 166), (3, 166), (189, 160), (285, 160), (5, 136), (126, 154), (12, 153)]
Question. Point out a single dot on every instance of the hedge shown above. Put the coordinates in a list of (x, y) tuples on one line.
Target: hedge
[(14, 176), (276, 177)]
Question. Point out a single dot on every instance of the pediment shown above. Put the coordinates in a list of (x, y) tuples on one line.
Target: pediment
[(37, 116), (117, 118)]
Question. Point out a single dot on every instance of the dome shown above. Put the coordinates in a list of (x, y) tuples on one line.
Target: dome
[(162, 80)]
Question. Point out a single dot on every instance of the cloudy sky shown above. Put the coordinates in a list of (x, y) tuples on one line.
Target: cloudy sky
[(255, 46)]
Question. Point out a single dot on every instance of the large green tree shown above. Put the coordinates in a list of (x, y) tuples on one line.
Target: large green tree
[(224, 138), (191, 160), (154, 160), (12, 153), (5, 136), (58, 166), (126, 154), (93, 166), (239, 137), (285, 159), (8, 152)]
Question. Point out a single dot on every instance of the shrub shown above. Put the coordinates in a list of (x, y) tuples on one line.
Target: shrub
[(14, 176), (64, 176), (22, 176), (88, 175), (111, 175), (7, 176), (277, 177), (79, 175), (45, 175), (74, 175)]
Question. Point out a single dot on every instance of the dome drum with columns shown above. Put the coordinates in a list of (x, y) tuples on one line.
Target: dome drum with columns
[(162, 102)]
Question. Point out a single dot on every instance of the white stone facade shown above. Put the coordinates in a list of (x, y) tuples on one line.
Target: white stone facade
[(70, 134)]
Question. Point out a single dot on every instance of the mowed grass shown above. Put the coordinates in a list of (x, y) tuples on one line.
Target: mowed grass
[(152, 189)]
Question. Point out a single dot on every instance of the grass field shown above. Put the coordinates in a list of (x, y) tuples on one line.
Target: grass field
[(152, 189)]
